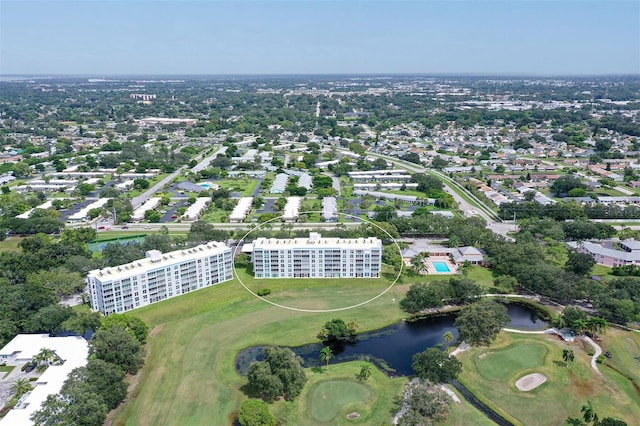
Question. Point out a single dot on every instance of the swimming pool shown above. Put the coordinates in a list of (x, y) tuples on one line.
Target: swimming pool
[(205, 185), (441, 266)]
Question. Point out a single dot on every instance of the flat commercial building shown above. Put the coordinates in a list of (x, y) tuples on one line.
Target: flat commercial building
[(292, 209), (195, 209), (158, 277), (329, 209), (317, 257), (150, 204), (71, 351), (84, 212), (241, 210)]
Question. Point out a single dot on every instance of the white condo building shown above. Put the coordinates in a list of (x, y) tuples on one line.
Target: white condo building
[(158, 277), (317, 257)]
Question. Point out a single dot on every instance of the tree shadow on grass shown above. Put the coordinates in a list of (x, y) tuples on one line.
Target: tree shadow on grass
[(250, 391), (560, 363), (317, 370)]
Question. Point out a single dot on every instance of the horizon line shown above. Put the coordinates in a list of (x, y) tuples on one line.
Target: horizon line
[(332, 74)]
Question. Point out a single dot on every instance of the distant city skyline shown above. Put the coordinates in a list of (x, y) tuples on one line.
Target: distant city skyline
[(518, 37)]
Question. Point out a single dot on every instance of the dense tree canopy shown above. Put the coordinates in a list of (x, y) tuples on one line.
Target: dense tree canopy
[(480, 322), (116, 346), (337, 329), (426, 404), (280, 374), (436, 366)]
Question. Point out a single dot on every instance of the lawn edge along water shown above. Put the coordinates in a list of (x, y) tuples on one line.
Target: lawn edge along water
[(229, 303)]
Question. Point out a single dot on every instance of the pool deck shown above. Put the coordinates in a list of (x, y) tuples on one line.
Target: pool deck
[(453, 269)]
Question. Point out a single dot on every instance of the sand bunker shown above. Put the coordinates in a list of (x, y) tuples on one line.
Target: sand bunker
[(530, 381), (353, 415)]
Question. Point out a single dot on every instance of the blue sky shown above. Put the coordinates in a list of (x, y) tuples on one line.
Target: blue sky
[(561, 37)]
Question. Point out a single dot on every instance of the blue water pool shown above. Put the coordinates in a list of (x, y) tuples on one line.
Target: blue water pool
[(205, 185), (441, 266)]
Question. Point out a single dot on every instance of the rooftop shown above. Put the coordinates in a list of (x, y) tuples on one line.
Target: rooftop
[(156, 260), (72, 350), (315, 240)]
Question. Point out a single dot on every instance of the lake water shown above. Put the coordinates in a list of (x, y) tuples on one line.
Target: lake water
[(393, 347)]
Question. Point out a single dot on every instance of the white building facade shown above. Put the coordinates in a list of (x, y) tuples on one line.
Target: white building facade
[(317, 257), (158, 277)]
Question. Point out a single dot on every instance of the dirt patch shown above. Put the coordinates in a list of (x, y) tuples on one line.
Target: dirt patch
[(484, 355), (530, 381), (353, 415), (156, 330)]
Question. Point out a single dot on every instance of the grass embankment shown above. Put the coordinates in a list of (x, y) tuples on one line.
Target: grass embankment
[(491, 372)]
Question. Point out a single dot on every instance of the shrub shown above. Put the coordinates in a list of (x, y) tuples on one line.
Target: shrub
[(255, 413), (264, 292), (600, 359)]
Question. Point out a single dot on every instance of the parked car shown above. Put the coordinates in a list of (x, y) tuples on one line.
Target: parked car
[(174, 216), (100, 227)]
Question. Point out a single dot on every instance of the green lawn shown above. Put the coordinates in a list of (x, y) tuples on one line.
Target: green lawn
[(10, 244), (244, 185), (216, 215), (483, 276), (490, 373), (625, 360), (190, 376), (602, 271), (465, 414), (418, 194), (5, 370), (511, 362), (334, 397), (328, 398)]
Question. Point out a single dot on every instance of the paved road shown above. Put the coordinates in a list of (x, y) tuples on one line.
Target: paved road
[(335, 182), (185, 226), (137, 201), (479, 209), (597, 352)]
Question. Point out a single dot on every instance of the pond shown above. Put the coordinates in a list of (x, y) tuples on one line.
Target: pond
[(392, 348)]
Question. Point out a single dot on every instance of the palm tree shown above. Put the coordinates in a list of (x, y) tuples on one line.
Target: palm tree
[(579, 326), (596, 325), (326, 355), (45, 356), (21, 386), (365, 372), (588, 413), (568, 356), (447, 337), (417, 262)]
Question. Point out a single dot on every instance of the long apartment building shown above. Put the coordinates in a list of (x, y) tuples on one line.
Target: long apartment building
[(317, 257), (158, 277)]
